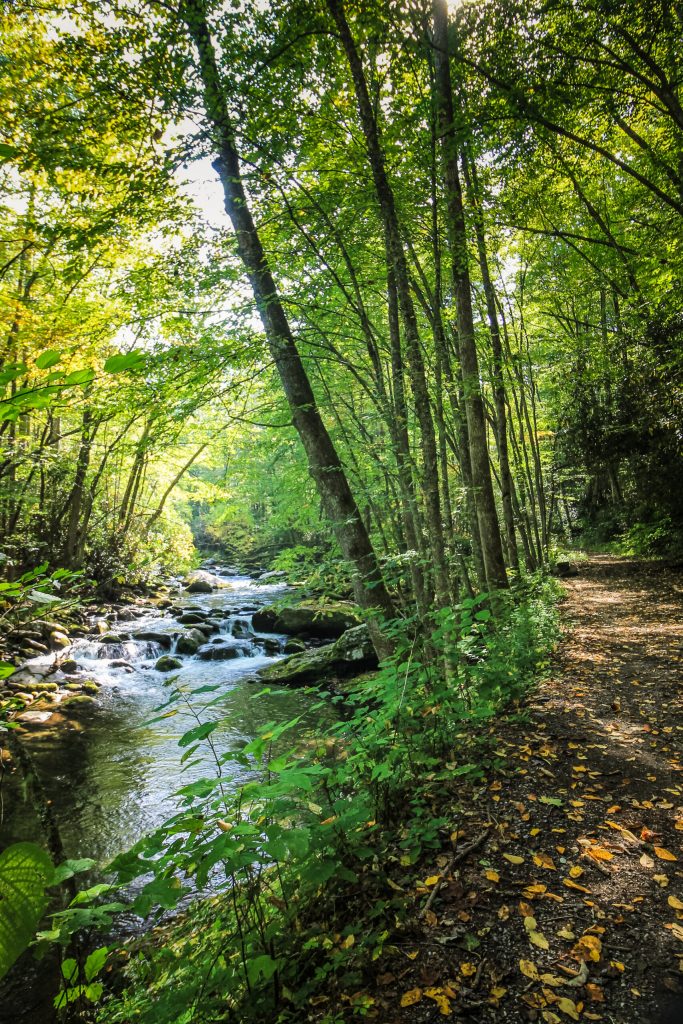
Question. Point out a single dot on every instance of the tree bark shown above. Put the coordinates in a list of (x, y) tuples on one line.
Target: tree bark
[(487, 515), (323, 461)]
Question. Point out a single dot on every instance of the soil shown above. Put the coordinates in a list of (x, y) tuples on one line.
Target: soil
[(570, 907)]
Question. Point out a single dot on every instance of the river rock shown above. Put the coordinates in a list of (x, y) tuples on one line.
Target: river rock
[(168, 664), (350, 655), (151, 635), (191, 618), (68, 665), (34, 717), (199, 587), (241, 630), (58, 640), (270, 644), (219, 651), (101, 626), (122, 663), (293, 645), (308, 619), (90, 686), (190, 641), (110, 638)]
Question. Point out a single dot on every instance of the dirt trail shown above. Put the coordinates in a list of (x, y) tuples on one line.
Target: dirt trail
[(572, 906)]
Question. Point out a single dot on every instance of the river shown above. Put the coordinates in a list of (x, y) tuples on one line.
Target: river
[(111, 775)]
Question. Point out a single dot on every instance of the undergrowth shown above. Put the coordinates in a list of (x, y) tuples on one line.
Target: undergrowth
[(301, 860)]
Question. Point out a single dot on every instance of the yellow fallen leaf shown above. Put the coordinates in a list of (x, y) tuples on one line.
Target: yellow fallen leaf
[(550, 1018), (566, 933), (575, 871), (574, 885), (348, 942), (676, 930), (664, 854), (513, 859), (599, 853), (552, 980), (589, 947), (492, 875), (534, 890), (412, 997), (568, 1007), (413, 954), (468, 969), (529, 969), (498, 992), (617, 965), (441, 1000), (432, 880), (661, 880), (538, 939), (674, 902), (542, 860)]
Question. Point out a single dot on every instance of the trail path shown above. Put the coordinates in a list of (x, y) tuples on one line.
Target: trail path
[(572, 907)]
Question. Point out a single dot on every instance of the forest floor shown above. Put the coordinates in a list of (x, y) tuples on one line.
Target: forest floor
[(571, 905)]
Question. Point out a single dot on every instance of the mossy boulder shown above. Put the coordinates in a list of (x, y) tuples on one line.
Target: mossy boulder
[(168, 664), (308, 618), (348, 656), (190, 641), (90, 686)]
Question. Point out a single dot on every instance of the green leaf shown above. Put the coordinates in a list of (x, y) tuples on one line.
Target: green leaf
[(6, 669), (25, 872), (199, 732), (261, 967), (7, 152), (125, 361), (80, 376), (47, 359), (95, 962), (70, 868)]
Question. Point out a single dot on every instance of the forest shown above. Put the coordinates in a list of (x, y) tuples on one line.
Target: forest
[(341, 511)]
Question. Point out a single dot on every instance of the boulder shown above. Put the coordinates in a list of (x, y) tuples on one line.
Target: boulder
[(152, 636), (190, 641), (308, 619), (220, 651), (58, 640), (191, 618), (110, 638), (68, 665), (34, 717), (90, 686), (199, 587), (564, 569), (168, 664), (294, 645), (348, 656)]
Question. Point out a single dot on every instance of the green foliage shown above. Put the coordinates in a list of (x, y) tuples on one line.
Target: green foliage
[(300, 857), (25, 873)]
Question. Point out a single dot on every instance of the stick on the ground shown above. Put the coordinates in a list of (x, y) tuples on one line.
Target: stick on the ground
[(454, 859)]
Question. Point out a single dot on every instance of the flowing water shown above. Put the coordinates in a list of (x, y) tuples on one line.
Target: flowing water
[(111, 775)]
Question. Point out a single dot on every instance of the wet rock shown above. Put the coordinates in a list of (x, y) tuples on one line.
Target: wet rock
[(122, 663), (308, 619), (73, 687), (205, 629), (191, 618), (220, 651), (151, 635), (34, 717), (199, 587), (109, 650), (190, 641), (350, 655), (168, 664), (270, 644), (78, 700), (241, 629), (110, 638), (294, 646), (58, 640), (90, 686), (69, 665), (35, 645), (215, 624), (101, 626), (274, 574)]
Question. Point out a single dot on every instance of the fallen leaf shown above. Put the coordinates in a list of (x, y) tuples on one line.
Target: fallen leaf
[(676, 930), (664, 854), (432, 880), (468, 969), (674, 902), (348, 942), (550, 1018), (575, 871), (529, 969), (599, 853), (534, 890), (661, 880), (589, 947), (412, 997), (441, 1000), (542, 860), (646, 861), (538, 939), (568, 1007), (492, 875), (513, 859), (574, 885)]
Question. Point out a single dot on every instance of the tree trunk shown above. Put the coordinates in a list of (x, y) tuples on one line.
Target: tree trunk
[(487, 515), (323, 460)]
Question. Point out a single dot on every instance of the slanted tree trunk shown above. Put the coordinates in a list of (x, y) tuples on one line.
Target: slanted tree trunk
[(487, 515), (323, 461)]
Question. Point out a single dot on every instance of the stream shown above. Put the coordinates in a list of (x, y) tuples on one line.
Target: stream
[(110, 774)]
